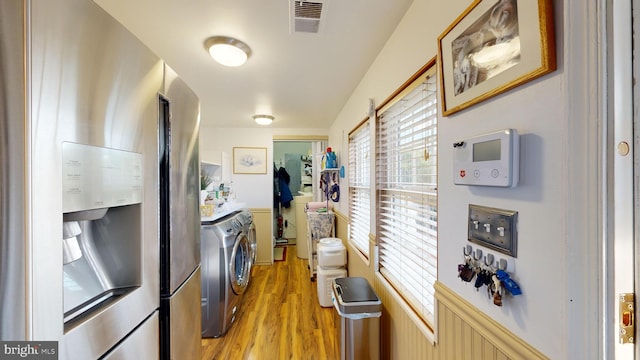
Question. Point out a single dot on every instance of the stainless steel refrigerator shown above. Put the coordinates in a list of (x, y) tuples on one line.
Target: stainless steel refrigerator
[(80, 189), (79, 260), (180, 316)]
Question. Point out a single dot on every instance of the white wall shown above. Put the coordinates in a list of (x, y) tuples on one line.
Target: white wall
[(539, 200), (545, 198), (256, 190)]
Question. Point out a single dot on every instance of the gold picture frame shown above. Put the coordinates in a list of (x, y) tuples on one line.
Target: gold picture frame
[(492, 47), (249, 160)]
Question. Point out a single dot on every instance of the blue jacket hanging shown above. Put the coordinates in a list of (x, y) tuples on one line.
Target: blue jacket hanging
[(285, 193)]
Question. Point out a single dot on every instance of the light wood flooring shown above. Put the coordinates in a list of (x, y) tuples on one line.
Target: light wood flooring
[(280, 318)]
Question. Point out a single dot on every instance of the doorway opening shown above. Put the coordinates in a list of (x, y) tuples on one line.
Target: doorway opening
[(296, 165)]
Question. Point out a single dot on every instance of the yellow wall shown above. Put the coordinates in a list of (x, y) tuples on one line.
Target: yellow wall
[(464, 332)]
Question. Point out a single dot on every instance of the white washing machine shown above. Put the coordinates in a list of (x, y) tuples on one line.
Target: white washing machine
[(226, 267)]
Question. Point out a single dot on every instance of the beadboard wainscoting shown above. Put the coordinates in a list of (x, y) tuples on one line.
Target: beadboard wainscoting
[(264, 240), (464, 332)]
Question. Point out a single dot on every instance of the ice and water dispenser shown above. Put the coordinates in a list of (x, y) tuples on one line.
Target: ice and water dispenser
[(101, 229)]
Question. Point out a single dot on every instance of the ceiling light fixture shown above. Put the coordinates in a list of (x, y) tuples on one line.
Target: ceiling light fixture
[(263, 119), (227, 50)]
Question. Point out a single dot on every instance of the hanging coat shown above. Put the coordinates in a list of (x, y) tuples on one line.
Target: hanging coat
[(285, 193)]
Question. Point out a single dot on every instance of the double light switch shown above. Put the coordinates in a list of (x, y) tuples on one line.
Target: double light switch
[(493, 228)]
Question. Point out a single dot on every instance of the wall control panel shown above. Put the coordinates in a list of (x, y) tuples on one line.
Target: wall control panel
[(96, 177), (488, 160)]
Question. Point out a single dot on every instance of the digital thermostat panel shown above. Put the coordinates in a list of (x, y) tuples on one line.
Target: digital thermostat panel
[(488, 160)]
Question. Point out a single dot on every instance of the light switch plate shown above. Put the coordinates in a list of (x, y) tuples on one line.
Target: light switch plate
[(493, 228)]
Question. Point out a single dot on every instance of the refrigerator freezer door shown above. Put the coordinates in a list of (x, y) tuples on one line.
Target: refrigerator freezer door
[(91, 82), (141, 344), (13, 277), (184, 313)]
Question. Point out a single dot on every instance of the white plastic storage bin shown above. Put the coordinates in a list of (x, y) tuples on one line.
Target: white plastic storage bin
[(325, 283), (331, 253)]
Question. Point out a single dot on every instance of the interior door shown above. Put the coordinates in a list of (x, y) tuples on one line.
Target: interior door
[(623, 186), (632, 132)]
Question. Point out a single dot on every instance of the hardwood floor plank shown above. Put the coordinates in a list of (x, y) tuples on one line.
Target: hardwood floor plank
[(280, 318)]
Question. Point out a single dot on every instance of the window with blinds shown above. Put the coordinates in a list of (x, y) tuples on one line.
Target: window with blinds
[(360, 187), (407, 206)]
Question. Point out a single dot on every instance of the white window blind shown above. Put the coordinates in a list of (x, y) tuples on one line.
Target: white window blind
[(360, 187), (407, 219)]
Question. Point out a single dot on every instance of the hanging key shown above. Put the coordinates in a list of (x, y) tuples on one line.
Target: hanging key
[(465, 272), (481, 278), (497, 296)]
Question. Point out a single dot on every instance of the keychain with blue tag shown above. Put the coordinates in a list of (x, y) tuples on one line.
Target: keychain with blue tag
[(508, 283)]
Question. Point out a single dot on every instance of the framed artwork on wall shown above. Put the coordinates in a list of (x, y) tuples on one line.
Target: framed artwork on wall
[(249, 160), (492, 47)]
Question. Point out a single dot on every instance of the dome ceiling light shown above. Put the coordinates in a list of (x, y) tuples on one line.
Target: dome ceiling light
[(263, 119), (227, 50)]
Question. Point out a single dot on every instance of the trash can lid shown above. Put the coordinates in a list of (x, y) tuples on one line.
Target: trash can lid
[(355, 289), (354, 295)]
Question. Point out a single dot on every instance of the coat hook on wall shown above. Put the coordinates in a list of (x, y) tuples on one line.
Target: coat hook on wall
[(502, 264), (488, 260), (467, 250)]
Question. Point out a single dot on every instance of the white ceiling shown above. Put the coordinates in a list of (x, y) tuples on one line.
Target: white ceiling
[(302, 79)]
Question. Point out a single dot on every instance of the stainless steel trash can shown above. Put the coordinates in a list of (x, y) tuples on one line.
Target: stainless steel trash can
[(360, 309)]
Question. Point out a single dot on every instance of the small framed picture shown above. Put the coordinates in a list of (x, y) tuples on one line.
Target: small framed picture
[(249, 160)]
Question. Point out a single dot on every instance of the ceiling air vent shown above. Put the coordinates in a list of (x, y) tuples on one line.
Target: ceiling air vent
[(306, 16)]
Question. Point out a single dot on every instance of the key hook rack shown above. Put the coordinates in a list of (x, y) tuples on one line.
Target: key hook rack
[(485, 271), (489, 258)]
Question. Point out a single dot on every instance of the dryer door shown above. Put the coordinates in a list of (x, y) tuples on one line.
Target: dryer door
[(253, 243), (240, 266)]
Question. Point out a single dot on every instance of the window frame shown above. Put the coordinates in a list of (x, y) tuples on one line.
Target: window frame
[(425, 312)]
